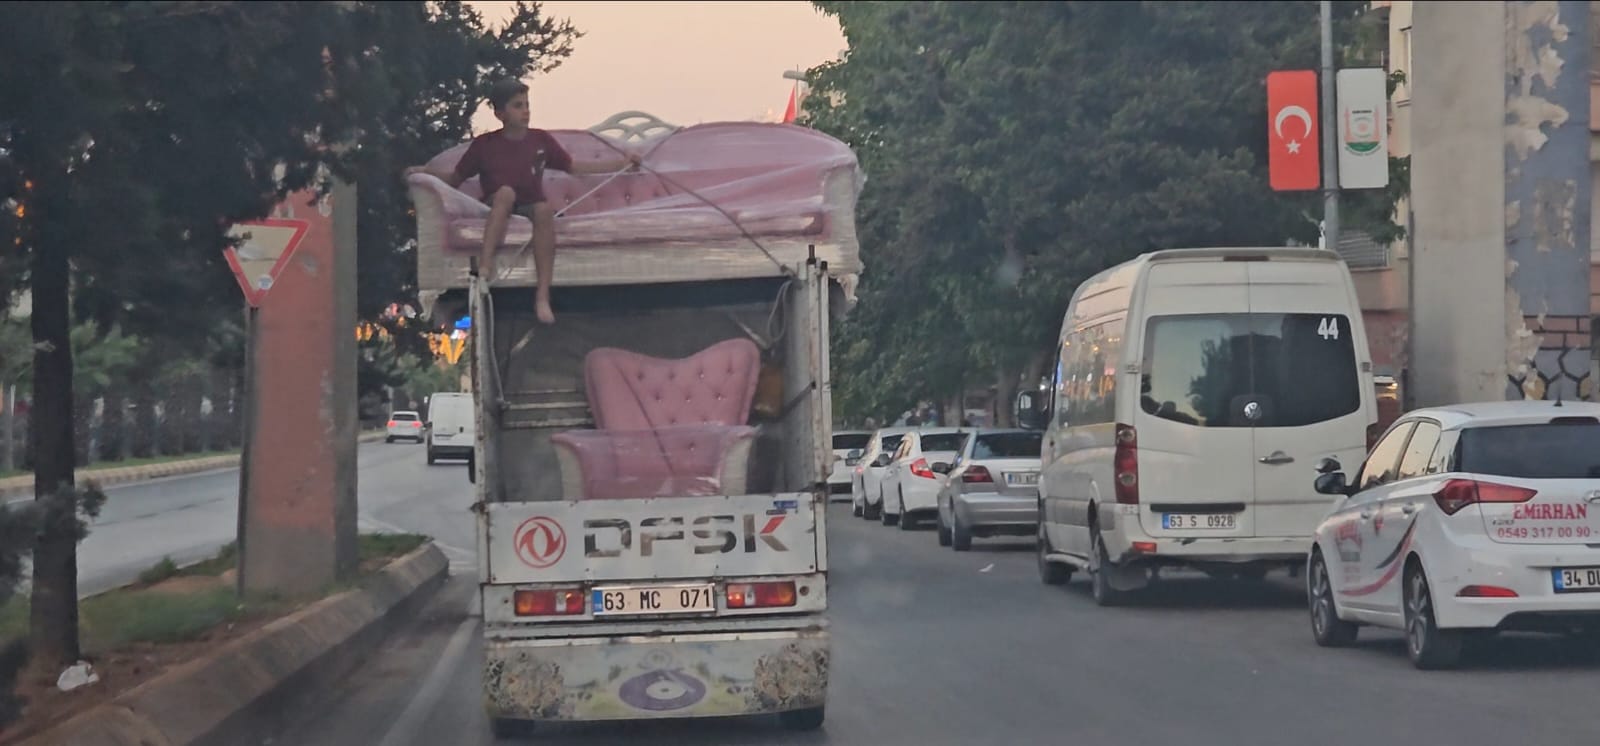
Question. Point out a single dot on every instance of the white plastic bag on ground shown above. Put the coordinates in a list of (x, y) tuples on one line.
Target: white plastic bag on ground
[(77, 676)]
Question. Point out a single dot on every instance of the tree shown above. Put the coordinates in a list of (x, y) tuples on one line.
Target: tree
[(148, 128), (1015, 149)]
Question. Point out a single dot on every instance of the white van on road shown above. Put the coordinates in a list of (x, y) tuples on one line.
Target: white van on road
[(1194, 393), (452, 431)]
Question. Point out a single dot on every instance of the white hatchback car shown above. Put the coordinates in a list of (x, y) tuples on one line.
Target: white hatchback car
[(1465, 520), (912, 481), (866, 489), (404, 426)]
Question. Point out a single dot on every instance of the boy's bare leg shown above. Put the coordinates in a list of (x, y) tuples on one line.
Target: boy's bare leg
[(494, 232), (544, 258)]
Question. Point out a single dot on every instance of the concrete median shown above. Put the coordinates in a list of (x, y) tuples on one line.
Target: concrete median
[(247, 691), (21, 487)]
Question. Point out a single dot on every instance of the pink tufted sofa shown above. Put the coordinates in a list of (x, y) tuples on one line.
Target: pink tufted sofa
[(663, 428), (769, 177)]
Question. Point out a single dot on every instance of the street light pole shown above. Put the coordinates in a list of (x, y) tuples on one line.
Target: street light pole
[(1330, 131)]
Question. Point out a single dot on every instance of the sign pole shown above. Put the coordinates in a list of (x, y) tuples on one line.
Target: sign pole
[(245, 439), (1330, 130)]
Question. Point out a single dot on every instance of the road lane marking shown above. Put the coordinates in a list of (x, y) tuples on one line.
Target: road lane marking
[(422, 704)]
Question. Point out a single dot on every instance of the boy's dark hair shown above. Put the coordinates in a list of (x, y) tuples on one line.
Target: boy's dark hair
[(502, 92)]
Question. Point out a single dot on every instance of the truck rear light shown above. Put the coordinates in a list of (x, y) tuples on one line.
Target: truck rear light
[(1126, 463), (920, 468), (1144, 547), (558, 602), (761, 595), (1459, 493), (976, 474), (1486, 591)]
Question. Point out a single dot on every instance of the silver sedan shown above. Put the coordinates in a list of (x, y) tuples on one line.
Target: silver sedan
[(993, 488)]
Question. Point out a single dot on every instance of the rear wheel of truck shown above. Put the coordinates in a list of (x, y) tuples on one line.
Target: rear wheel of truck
[(808, 719)]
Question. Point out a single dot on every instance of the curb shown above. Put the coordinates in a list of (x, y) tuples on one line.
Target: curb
[(22, 487), (245, 692)]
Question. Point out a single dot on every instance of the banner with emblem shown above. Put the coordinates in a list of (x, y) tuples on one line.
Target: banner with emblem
[(1363, 141)]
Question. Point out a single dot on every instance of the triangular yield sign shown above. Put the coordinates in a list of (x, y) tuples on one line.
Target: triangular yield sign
[(264, 250)]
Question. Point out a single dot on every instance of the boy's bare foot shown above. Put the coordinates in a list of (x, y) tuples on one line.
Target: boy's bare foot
[(542, 309)]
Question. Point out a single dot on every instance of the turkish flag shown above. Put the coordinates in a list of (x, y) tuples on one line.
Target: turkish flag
[(789, 113), (1292, 135)]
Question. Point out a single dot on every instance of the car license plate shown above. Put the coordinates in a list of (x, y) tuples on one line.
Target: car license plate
[(1022, 478), (1199, 521), (654, 599), (1576, 579)]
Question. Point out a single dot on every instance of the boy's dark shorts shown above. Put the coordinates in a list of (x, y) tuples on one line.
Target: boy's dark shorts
[(525, 209)]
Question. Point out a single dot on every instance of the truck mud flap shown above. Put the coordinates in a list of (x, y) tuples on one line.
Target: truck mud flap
[(656, 677)]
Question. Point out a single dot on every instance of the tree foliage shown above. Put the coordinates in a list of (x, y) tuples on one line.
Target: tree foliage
[(1013, 149), (141, 131)]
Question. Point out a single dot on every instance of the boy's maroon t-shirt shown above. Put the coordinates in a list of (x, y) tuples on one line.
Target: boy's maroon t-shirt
[(498, 161)]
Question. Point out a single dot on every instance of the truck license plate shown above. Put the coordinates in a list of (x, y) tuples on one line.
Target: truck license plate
[(654, 599), (1202, 521), (1576, 579)]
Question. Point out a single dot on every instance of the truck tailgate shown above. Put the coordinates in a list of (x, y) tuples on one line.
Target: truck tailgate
[(651, 538)]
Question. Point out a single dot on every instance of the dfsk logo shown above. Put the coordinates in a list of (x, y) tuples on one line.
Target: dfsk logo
[(540, 542), (711, 534)]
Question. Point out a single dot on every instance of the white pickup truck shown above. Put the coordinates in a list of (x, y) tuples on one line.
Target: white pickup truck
[(651, 470)]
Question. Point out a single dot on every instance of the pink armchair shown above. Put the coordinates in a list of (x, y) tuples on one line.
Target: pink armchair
[(663, 428)]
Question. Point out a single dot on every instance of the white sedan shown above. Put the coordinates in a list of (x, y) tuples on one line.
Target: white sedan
[(1464, 521), (916, 473)]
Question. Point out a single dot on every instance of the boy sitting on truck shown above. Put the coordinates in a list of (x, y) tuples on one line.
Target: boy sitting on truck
[(510, 164)]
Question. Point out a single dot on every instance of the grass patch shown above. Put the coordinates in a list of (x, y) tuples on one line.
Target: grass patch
[(123, 617), (13, 619), (120, 618), (377, 546), (225, 560), (141, 613), (158, 572)]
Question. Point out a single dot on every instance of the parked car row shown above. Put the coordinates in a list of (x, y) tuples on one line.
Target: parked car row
[(1202, 409), (970, 483)]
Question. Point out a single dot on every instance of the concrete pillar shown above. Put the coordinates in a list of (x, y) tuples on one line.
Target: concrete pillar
[(1501, 189), (300, 516)]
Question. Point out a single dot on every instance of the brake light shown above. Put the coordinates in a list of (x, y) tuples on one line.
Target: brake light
[(920, 468), (760, 595), (976, 474), (558, 602), (1126, 464), (391, 423), (1486, 591), (1459, 493), (416, 424)]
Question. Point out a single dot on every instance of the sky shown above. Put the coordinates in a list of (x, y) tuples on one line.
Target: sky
[(684, 62)]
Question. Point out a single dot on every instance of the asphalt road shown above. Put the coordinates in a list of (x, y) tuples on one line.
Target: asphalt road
[(190, 517), (935, 647)]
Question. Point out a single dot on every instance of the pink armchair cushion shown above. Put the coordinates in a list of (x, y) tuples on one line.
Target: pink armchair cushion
[(770, 177), (664, 427), (630, 391), (675, 461)]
